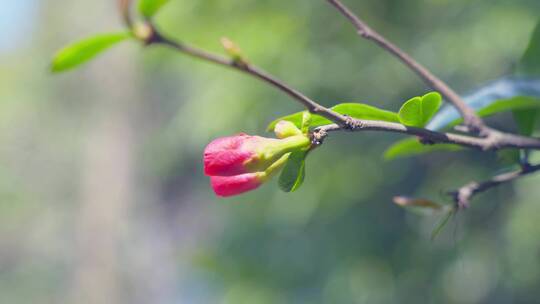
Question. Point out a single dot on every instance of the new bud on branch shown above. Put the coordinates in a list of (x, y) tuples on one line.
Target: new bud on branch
[(242, 162)]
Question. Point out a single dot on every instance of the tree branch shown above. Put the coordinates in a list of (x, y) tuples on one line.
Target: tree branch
[(492, 143), (155, 37), (491, 139), (471, 119), (463, 195), (124, 6)]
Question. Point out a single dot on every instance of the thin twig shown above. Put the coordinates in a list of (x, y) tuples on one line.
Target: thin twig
[(463, 195), (433, 137), (471, 119), (495, 141), (124, 6), (157, 38)]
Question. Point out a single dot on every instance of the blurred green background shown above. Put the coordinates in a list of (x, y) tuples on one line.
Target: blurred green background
[(102, 196)]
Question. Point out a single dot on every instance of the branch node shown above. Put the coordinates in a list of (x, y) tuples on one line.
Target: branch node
[(426, 141), (238, 59), (317, 137), (352, 124)]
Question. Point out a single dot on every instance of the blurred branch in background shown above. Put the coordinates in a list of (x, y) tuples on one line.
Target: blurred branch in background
[(463, 195)]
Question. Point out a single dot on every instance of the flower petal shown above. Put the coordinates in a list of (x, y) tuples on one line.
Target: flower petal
[(233, 185), (224, 156)]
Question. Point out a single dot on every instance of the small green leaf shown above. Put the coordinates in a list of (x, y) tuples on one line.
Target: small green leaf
[(431, 103), (306, 121), (148, 8), (524, 103), (418, 111), (412, 146), (293, 173), (505, 105), (508, 156), (410, 113), (525, 120), (529, 64), (354, 110), (364, 111), (84, 50)]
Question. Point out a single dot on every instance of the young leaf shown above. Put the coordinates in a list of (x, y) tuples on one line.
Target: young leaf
[(364, 111), (418, 111), (411, 147), (431, 103), (502, 89), (529, 64), (508, 156), (148, 8), (84, 50), (354, 110), (306, 121), (525, 120), (448, 117), (293, 173), (410, 113), (506, 105)]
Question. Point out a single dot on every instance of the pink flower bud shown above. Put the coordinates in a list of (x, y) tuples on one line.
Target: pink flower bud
[(227, 156), (233, 185), (240, 163)]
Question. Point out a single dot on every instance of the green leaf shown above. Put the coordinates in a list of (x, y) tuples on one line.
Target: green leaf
[(525, 120), (84, 50), (505, 88), (293, 173), (412, 146), (508, 156), (354, 110), (529, 64), (364, 111), (518, 103), (524, 106), (306, 121), (148, 8), (418, 111), (431, 103), (505, 105), (410, 113)]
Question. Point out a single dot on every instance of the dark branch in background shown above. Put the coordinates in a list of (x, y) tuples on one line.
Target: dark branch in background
[(463, 195), (491, 139), (470, 117)]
